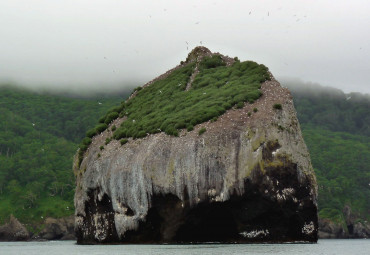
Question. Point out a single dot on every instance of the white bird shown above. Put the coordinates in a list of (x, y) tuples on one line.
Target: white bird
[(99, 103), (33, 124)]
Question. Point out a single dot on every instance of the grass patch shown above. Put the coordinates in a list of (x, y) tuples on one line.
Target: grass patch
[(202, 131), (277, 106), (123, 141), (108, 140), (239, 105)]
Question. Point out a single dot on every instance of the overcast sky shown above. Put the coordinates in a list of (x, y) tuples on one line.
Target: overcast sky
[(84, 44)]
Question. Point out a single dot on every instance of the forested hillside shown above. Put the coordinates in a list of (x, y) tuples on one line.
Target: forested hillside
[(336, 129), (40, 133)]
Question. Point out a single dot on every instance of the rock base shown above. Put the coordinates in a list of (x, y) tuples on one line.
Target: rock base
[(273, 208), (13, 231)]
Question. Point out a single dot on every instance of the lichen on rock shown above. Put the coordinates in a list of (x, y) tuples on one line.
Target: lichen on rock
[(248, 178)]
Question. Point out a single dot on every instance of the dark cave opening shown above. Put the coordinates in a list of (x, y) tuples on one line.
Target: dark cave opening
[(171, 221), (350, 229), (208, 222)]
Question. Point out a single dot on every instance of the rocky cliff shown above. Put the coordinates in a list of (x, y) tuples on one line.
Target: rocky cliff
[(50, 229), (351, 227), (13, 231), (247, 178)]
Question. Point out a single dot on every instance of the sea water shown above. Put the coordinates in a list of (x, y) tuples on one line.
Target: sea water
[(324, 247)]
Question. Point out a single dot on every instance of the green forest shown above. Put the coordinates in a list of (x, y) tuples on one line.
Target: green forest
[(336, 129), (41, 132), (39, 135)]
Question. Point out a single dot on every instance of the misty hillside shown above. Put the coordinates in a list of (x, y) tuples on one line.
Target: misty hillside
[(39, 135), (59, 115), (330, 108), (336, 129)]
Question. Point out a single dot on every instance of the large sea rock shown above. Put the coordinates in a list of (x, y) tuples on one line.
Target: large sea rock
[(58, 229), (248, 178)]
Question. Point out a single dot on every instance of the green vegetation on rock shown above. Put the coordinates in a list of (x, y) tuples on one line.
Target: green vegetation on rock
[(277, 106), (202, 131), (167, 106)]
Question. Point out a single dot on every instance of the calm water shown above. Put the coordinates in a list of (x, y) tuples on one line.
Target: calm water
[(336, 247)]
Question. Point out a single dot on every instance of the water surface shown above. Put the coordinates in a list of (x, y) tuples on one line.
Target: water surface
[(323, 247)]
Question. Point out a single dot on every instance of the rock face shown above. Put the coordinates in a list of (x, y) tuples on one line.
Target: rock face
[(248, 178), (58, 229), (13, 231), (350, 228), (330, 230)]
